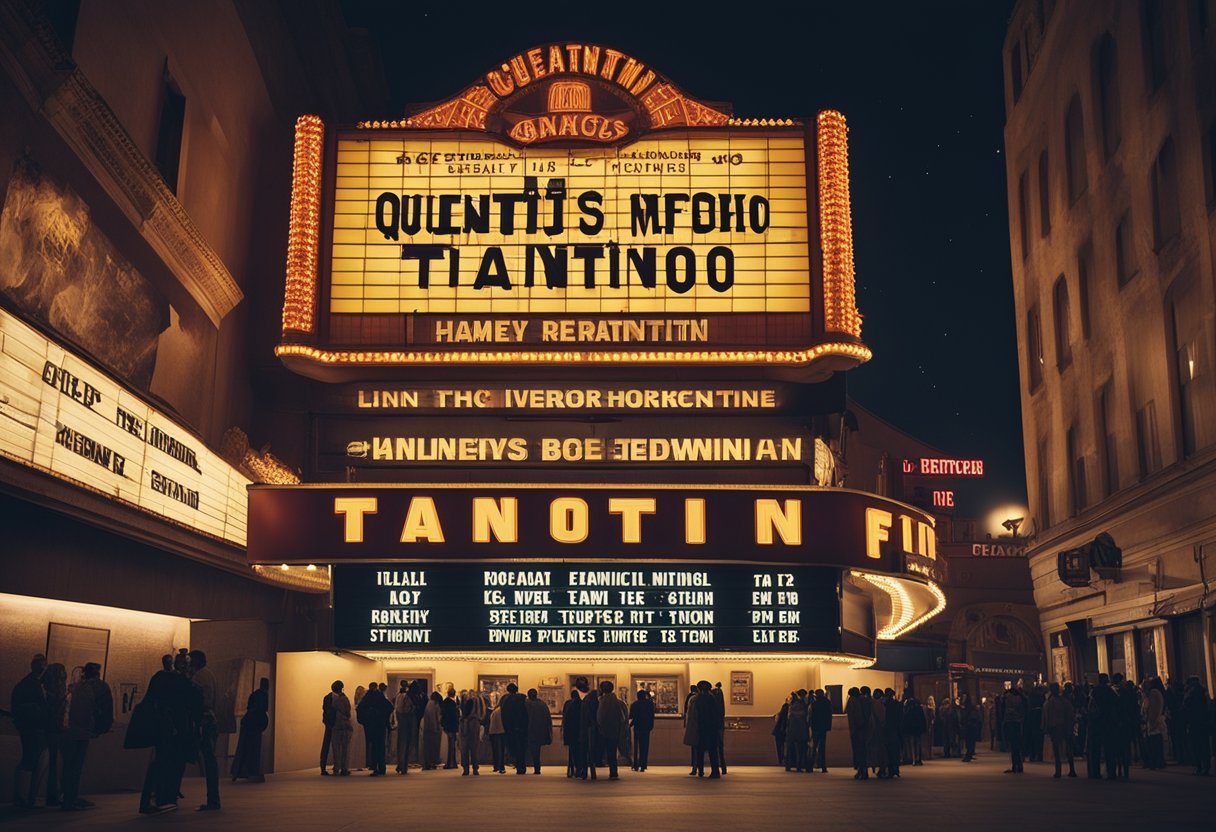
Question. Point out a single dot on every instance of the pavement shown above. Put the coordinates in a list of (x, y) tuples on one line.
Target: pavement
[(941, 795)]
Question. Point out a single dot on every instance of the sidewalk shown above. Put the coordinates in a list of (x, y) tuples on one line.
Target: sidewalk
[(942, 794)]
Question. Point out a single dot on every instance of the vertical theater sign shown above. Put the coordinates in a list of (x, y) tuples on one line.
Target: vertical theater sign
[(575, 330)]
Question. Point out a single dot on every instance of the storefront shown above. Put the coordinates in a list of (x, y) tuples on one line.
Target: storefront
[(577, 334)]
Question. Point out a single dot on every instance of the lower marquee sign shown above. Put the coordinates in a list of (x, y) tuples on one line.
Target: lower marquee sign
[(651, 606)]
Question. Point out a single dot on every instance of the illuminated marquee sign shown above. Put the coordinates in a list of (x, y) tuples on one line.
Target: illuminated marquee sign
[(571, 206), (941, 467), (62, 416), (650, 606)]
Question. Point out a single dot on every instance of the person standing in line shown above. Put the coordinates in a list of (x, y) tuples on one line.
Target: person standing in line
[(948, 719), (373, 714), (592, 746), (515, 722), (342, 728), (641, 720), (571, 734), (432, 730), (930, 709), (450, 722), (709, 724), (611, 724), (720, 703), (1034, 723), (796, 733), (540, 728), (1175, 721), (1101, 717), (498, 741), (692, 731), (55, 684), (912, 724), (327, 719), (1014, 727), (358, 741), (248, 760), (28, 704), (1154, 723), (857, 710), (168, 696), (972, 719), (877, 751), (1057, 721), (204, 683), (821, 724), (780, 728), (1198, 727), (407, 727), (90, 714), (1129, 725), (470, 733), (692, 753), (893, 732)]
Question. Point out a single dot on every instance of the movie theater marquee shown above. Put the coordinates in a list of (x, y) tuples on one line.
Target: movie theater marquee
[(572, 205)]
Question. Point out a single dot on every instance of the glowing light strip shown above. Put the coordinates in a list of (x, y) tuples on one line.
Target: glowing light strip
[(659, 658), (836, 226), (857, 352), (311, 578), (414, 122), (903, 608), (300, 295)]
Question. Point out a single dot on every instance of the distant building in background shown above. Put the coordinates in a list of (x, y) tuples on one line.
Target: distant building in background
[(1110, 135)]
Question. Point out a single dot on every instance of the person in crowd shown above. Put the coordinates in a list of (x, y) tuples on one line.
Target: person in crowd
[(821, 724), (471, 714), (641, 722), (1153, 715), (450, 723), (571, 734), (1080, 702), (1175, 722), (691, 731), (781, 728), (912, 725), (515, 722), (90, 714), (892, 732), (540, 728), (168, 696), (1195, 710), (710, 718), (1013, 724), (28, 704), (407, 726), (592, 744), (972, 720), (55, 685), (1102, 714), (432, 730), (327, 720), (625, 746), (342, 728), (1035, 699), (720, 699), (876, 753), (498, 741), (930, 709), (1057, 721), (373, 713), (248, 760), (204, 683), (358, 741), (1127, 725), (948, 718), (857, 709), (611, 722), (796, 732)]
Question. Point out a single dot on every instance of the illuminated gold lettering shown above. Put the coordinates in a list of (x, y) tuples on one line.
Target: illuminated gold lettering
[(556, 62), (421, 522), (908, 539), (568, 126), (568, 520), (547, 126), (784, 519), (694, 521), (520, 71), (630, 71), (537, 62), (878, 525), (927, 544), (574, 50), (631, 510), (611, 58), (496, 518), (642, 83), (591, 60), (501, 82), (352, 510)]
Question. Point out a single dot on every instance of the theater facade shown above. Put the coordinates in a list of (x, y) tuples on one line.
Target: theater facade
[(573, 342)]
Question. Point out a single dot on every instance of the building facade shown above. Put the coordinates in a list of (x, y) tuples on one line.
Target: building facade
[(1109, 146)]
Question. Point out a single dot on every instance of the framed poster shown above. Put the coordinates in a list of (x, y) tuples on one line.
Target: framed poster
[(495, 687), (664, 690), (74, 647), (554, 696), (741, 687)]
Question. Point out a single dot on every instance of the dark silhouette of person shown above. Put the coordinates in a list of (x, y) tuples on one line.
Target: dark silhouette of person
[(169, 695), (893, 732), (572, 734), (641, 720), (1195, 709), (1014, 725), (1057, 721), (540, 728), (373, 714), (90, 714), (1102, 717), (821, 724), (515, 723), (592, 746), (912, 726), (721, 705), (449, 721), (247, 763), (207, 694), (972, 723), (610, 720), (780, 728), (327, 719), (797, 732), (858, 709), (28, 705)]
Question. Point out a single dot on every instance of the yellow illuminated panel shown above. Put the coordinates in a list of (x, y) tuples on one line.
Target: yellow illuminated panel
[(671, 225), (299, 301)]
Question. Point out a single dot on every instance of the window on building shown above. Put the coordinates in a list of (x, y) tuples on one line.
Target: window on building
[(170, 131), (1108, 95), (1023, 211), (1106, 439), (1034, 346), (1116, 654), (1044, 197), (1187, 325), (1148, 447), (1074, 150), (63, 15), (1125, 250), (1167, 217), (1156, 57), (1077, 497), (1043, 511), (1015, 70), (1085, 259), (1063, 332)]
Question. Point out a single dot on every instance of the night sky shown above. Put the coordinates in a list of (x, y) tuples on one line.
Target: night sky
[(921, 86)]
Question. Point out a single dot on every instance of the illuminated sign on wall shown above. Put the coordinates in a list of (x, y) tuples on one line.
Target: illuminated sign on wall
[(651, 606), (942, 467), (60, 415)]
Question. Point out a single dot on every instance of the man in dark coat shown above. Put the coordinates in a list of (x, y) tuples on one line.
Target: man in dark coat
[(373, 714), (572, 733), (893, 732), (610, 719), (592, 746), (1034, 723), (858, 709), (912, 725), (1198, 726), (28, 705), (449, 721), (641, 719), (710, 721), (515, 723), (821, 723), (1102, 715), (170, 695), (540, 727), (1128, 731)]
